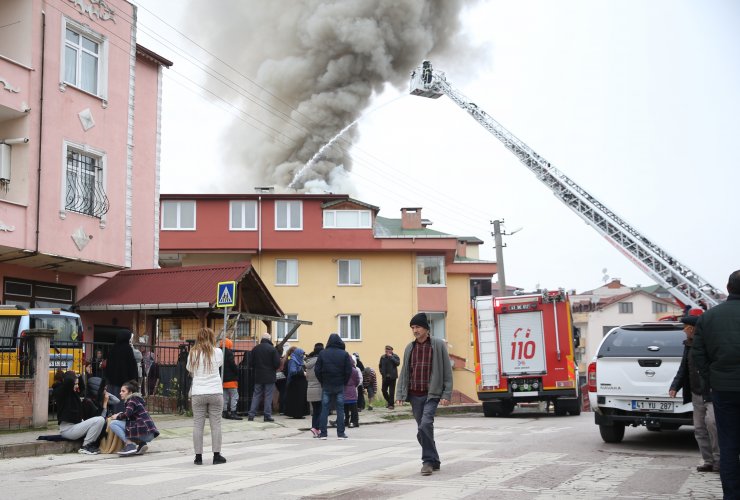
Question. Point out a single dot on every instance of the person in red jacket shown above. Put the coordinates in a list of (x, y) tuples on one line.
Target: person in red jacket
[(231, 383)]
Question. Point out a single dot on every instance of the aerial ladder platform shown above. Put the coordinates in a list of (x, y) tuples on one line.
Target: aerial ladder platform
[(681, 281)]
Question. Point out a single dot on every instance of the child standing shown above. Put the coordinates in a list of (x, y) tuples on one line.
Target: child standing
[(350, 396)]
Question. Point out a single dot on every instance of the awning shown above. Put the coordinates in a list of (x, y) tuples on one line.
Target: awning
[(193, 287)]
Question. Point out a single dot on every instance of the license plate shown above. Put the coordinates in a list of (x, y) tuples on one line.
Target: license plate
[(59, 364), (653, 405)]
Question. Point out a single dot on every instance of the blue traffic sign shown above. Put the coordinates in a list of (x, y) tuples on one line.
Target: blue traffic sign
[(226, 294)]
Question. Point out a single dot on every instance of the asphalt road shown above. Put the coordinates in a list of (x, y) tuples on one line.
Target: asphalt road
[(527, 456)]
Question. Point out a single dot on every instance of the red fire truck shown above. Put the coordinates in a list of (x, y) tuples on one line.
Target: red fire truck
[(524, 347)]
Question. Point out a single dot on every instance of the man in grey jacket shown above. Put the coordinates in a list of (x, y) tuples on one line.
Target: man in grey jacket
[(425, 381)]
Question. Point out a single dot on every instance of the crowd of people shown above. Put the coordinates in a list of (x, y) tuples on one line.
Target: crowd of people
[(109, 413)]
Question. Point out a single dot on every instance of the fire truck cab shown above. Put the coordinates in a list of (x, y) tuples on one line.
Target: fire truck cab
[(525, 352)]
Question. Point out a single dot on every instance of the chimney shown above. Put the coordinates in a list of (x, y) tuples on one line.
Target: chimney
[(411, 218)]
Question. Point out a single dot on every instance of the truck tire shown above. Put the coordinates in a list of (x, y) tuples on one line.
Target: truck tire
[(498, 408), (612, 433), (490, 409), (507, 407), (560, 407)]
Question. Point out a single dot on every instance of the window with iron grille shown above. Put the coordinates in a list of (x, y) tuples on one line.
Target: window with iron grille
[(85, 192)]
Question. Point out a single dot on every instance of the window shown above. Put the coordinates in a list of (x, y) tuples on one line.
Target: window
[(283, 328), (430, 270), (178, 215), (659, 307), (347, 219), (349, 326), (243, 216), (349, 272), (37, 294), (84, 182), (625, 308), (85, 55), (286, 272), (436, 324), (288, 215)]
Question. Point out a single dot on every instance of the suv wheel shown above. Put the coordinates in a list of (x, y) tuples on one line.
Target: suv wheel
[(612, 433)]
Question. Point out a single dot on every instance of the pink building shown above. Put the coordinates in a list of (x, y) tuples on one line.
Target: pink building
[(79, 148)]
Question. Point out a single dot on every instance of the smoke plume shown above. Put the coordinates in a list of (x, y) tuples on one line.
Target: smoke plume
[(314, 67)]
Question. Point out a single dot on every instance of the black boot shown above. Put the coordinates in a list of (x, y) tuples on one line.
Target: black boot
[(234, 416), (218, 459)]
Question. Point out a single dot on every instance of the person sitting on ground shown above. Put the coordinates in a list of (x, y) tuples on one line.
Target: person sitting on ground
[(69, 415), (350, 395), (133, 426)]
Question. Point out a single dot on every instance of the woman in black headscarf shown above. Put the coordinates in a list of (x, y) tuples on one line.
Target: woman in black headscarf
[(121, 365)]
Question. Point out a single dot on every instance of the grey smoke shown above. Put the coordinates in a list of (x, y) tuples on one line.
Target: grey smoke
[(317, 65)]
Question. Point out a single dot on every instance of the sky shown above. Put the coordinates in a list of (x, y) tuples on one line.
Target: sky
[(635, 101)]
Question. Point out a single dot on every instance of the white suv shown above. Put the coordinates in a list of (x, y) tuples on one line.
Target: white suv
[(629, 379)]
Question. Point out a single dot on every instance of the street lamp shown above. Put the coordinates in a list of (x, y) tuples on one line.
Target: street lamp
[(497, 234)]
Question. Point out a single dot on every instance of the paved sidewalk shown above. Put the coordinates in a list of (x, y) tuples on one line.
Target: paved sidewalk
[(176, 431)]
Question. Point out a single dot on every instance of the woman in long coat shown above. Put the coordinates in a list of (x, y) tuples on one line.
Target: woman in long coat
[(295, 400), (313, 392), (120, 366)]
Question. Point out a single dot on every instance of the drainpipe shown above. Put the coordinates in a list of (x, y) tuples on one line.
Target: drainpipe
[(41, 128)]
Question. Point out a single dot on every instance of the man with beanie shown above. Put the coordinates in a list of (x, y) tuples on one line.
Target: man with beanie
[(716, 354), (388, 368), (687, 378), (425, 381)]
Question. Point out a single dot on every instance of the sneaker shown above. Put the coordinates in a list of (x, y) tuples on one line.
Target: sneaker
[(436, 466), (90, 449), (129, 449), (351, 425), (426, 469), (269, 419), (704, 468), (141, 449), (234, 416), (251, 419), (315, 432), (322, 437), (342, 436)]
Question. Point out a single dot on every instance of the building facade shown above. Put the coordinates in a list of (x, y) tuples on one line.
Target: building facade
[(597, 311), (333, 261), (79, 148)]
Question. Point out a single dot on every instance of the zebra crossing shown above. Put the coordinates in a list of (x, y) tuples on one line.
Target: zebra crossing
[(527, 456), (381, 467)]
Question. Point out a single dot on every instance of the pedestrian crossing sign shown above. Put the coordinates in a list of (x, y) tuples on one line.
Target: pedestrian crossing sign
[(226, 294)]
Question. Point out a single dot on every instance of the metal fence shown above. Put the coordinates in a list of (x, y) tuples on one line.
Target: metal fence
[(165, 374), (19, 361)]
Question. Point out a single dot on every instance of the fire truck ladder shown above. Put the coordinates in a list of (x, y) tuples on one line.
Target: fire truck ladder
[(683, 283)]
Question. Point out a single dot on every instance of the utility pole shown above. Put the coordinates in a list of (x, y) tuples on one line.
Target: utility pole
[(499, 257), (497, 234)]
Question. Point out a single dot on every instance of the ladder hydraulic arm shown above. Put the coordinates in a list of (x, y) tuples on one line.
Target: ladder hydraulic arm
[(683, 283)]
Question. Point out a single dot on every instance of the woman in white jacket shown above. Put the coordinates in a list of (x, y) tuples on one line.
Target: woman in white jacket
[(204, 361)]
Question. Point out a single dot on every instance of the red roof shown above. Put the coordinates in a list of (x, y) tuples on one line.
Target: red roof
[(193, 287)]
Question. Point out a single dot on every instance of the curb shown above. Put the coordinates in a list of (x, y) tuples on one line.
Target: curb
[(39, 448)]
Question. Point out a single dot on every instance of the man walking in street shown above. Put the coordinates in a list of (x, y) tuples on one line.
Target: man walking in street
[(333, 370), (425, 381), (716, 353), (687, 378), (266, 360), (388, 368)]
